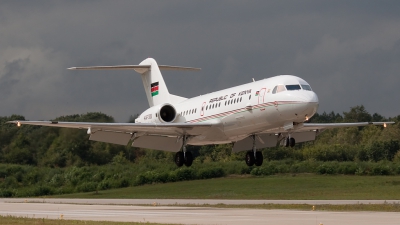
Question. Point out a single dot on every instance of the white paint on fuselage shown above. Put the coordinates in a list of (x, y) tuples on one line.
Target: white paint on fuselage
[(245, 109)]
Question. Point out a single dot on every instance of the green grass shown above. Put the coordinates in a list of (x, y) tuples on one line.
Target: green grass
[(12, 220), (305, 187)]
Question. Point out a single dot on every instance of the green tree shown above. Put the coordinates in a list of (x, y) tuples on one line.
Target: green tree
[(357, 114)]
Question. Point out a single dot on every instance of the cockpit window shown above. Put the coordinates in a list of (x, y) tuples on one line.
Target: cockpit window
[(293, 87), (306, 87), (274, 91), (278, 89)]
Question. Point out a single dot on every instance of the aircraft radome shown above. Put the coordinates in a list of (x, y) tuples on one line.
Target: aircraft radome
[(255, 115)]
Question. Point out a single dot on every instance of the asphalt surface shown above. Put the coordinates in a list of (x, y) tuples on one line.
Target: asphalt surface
[(169, 202), (106, 210)]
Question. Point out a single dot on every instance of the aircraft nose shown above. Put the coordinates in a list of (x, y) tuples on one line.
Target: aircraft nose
[(309, 106), (308, 97), (313, 98)]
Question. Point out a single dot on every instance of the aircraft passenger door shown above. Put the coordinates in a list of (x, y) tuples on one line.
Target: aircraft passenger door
[(261, 96), (202, 109)]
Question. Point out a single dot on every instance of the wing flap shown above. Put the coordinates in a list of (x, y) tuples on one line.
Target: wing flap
[(267, 140), (111, 137), (170, 144)]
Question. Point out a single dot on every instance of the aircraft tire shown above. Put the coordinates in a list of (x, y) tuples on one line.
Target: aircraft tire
[(250, 158), (179, 159), (259, 159), (188, 159), (287, 142), (292, 142)]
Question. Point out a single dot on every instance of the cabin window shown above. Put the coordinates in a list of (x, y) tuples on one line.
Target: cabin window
[(249, 97), (219, 105), (293, 87), (306, 87)]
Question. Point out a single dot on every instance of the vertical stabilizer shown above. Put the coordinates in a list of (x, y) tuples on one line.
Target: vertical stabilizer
[(154, 84)]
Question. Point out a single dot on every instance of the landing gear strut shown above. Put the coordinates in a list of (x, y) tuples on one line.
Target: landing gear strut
[(184, 156), (254, 157)]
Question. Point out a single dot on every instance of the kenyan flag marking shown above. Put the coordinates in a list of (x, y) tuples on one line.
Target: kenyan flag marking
[(154, 89)]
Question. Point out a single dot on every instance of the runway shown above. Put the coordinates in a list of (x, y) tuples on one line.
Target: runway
[(191, 215), (169, 202)]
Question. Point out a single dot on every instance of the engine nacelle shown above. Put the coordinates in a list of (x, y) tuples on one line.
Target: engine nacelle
[(164, 113), (167, 113)]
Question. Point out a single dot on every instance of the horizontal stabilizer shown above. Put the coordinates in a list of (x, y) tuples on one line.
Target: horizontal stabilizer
[(137, 68)]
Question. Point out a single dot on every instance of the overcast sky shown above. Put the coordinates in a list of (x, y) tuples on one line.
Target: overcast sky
[(349, 51)]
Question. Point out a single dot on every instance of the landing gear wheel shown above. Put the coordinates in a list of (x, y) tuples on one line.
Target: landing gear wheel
[(259, 159), (286, 143), (292, 142), (250, 158), (188, 159), (179, 159)]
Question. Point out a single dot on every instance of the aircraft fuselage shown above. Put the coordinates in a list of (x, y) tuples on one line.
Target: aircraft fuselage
[(245, 109)]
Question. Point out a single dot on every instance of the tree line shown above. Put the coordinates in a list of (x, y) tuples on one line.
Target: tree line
[(62, 147), (37, 161)]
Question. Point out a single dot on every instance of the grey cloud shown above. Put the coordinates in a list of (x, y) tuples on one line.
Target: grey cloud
[(347, 50)]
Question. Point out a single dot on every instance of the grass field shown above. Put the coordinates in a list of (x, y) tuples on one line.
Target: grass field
[(304, 186)]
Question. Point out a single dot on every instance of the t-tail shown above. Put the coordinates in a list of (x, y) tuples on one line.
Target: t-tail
[(153, 81)]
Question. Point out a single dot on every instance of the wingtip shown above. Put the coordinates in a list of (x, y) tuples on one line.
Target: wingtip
[(71, 68)]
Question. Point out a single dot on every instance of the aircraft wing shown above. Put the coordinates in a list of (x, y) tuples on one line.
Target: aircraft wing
[(173, 129), (301, 133), (161, 136), (320, 126), (303, 127)]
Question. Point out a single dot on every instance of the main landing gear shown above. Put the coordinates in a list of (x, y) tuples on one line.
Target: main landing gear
[(184, 157), (254, 157), (289, 142)]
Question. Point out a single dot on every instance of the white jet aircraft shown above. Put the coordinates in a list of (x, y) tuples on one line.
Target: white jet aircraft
[(252, 116)]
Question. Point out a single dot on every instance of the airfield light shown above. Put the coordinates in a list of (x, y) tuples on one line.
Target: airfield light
[(384, 125), (18, 124)]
